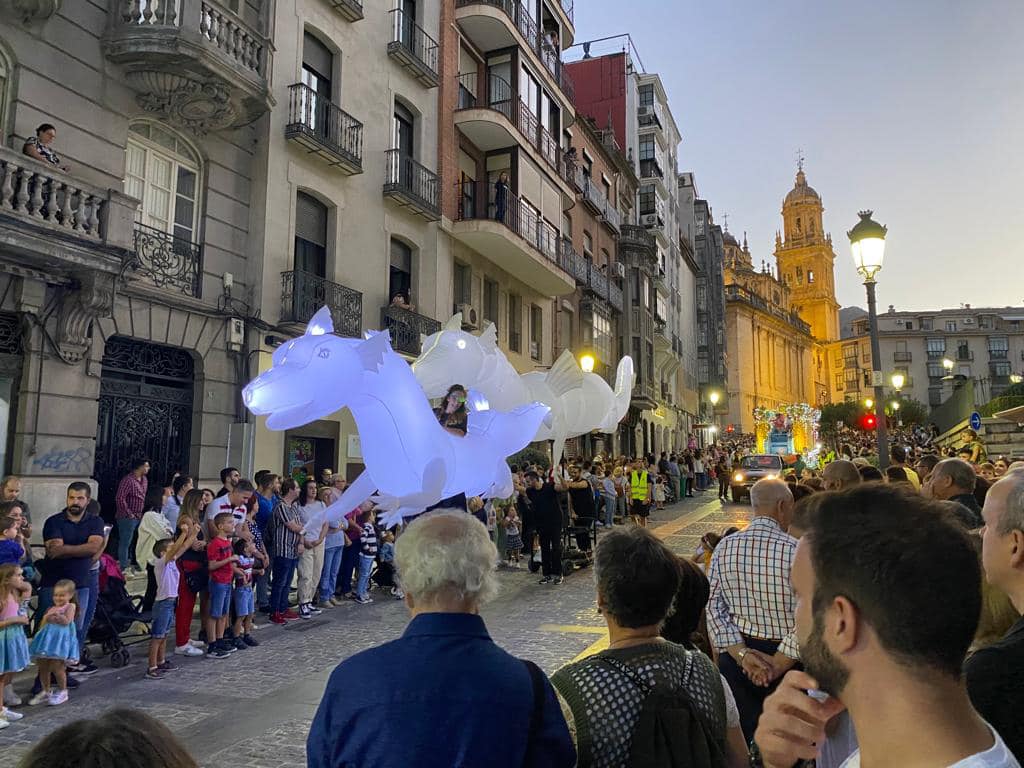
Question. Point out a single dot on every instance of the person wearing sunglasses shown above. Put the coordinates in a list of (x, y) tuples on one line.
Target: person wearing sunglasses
[(452, 413)]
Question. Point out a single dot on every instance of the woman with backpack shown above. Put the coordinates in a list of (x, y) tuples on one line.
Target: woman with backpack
[(642, 684)]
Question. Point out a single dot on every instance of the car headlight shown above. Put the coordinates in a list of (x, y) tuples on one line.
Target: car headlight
[(771, 477), (738, 477)]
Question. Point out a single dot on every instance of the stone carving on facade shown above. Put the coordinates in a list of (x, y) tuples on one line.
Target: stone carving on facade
[(94, 298), (35, 10), (188, 103)]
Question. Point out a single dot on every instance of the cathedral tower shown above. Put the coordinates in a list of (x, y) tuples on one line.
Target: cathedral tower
[(806, 260)]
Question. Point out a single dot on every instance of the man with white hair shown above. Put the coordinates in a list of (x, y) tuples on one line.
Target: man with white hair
[(750, 610), (995, 675), (840, 474), (953, 480), (443, 693)]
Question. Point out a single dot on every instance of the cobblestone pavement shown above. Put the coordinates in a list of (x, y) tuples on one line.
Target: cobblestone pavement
[(265, 697)]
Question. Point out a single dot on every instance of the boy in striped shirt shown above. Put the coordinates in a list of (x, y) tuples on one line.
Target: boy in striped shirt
[(367, 554)]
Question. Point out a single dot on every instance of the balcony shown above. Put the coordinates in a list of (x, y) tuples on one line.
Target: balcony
[(56, 223), (615, 296), (407, 329), (167, 261), (850, 363), (643, 393), (413, 48), (351, 10), (496, 24), (999, 354), (965, 355), (651, 170), (323, 129), (612, 218), (196, 63), (510, 233), (572, 262), (936, 354), (499, 119), (411, 185), (593, 197), (303, 293), (902, 357), (597, 282), (738, 293)]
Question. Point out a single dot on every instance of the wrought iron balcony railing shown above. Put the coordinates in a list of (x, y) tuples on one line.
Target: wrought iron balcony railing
[(999, 354), (615, 296), (413, 48), (902, 357), (406, 327), (167, 261), (571, 261), (303, 293), (324, 129), (411, 184)]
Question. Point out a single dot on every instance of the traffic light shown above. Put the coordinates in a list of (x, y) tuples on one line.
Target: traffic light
[(868, 422)]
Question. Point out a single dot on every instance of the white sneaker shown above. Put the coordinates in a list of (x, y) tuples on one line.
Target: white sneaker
[(188, 650), (58, 698), (39, 698), (197, 644), (11, 699), (10, 715), (4, 724)]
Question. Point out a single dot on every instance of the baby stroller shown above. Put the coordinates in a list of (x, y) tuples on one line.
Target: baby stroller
[(116, 613), (384, 575)]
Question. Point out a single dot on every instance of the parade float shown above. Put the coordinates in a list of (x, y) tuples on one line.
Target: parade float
[(788, 430)]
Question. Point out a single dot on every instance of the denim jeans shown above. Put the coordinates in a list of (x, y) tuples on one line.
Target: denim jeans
[(263, 590), (609, 510), (349, 563), (284, 570), (125, 531), (365, 566), (329, 576)]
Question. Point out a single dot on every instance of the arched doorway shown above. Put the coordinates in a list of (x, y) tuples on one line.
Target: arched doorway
[(145, 411)]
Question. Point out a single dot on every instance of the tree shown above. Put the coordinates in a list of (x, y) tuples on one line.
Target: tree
[(913, 411), (530, 455), (835, 415)]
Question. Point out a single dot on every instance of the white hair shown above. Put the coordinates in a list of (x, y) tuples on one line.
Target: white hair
[(768, 492), (446, 555), (1013, 518)]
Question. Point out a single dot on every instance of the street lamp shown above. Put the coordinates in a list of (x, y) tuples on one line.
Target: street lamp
[(587, 363), (714, 397), (867, 243), (1016, 378), (868, 402), (897, 381)]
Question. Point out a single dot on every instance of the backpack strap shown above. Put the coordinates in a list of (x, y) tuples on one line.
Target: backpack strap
[(537, 711)]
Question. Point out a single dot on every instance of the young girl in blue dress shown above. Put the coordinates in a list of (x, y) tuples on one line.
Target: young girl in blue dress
[(14, 655), (56, 643)]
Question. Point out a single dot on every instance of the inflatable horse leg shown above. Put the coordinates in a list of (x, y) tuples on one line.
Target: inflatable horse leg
[(358, 491), (394, 508)]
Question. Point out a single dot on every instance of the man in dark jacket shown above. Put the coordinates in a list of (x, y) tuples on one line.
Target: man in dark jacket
[(953, 480)]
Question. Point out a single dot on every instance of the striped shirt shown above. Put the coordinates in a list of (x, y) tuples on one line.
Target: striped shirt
[(286, 542), (369, 540), (751, 594)]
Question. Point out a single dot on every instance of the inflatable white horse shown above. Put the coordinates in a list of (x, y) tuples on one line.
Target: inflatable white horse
[(579, 402), (411, 461)]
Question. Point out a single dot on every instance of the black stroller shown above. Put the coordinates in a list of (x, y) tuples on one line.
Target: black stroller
[(116, 613)]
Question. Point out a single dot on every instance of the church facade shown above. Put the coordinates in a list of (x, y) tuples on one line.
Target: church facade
[(780, 320)]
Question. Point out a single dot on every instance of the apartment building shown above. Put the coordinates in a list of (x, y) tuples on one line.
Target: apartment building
[(349, 196), (123, 264), (933, 350)]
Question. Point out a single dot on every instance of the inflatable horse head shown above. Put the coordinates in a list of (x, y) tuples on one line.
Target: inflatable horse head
[(453, 355), (311, 374)]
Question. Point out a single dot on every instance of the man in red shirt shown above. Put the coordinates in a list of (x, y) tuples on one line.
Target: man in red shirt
[(129, 503), (222, 567)]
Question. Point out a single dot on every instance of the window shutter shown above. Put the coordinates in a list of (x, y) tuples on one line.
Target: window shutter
[(310, 220)]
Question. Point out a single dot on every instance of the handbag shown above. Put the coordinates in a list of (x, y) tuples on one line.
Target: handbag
[(198, 580)]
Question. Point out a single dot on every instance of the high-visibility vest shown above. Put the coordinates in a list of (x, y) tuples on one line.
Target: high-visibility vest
[(638, 485)]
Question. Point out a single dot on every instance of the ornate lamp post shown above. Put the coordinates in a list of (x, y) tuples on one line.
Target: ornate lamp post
[(867, 243)]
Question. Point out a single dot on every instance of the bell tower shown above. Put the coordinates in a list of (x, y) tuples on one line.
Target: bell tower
[(806, 260)]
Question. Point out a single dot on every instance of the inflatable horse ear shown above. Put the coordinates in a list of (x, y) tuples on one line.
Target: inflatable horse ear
[(454, 323), (321, 323), (489, 338)]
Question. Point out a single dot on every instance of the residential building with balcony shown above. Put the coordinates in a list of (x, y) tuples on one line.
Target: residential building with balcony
[(123, 265), (591, 318), (505, 104), (350, 193), (984, 344), (614, 90)]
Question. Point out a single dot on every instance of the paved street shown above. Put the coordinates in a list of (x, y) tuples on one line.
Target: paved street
[(254, 707)]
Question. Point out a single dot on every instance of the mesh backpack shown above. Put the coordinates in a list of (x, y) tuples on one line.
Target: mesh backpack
[(670, 732)]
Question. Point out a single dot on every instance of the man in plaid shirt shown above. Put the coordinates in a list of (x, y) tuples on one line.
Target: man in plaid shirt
[(751, 608)]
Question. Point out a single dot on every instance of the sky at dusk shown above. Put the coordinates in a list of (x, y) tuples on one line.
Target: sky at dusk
[(913, 108)]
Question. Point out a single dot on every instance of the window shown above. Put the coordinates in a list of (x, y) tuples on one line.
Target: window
[(647, 148), (603, 339), (850, 355), (985, 321), (645, 290), (162, 171), (935, 347), (702, 296), (588, 246), (1001, 369), (646, 95), (810, 275), (647, 197), (606, 260), (839, 381), (6, 76), (998, 347), (463, 291), (910, 325), (310, 235), (963, 350), (702, 336), (515, 322), (799, 275), (951, 326), (317, 69), (529, 90), (865, 354), (636, 286), (926, 323), (491, 301), (851, 379), (536, 331), (702, 370), (400, 277), (936, 371), (402, 140)]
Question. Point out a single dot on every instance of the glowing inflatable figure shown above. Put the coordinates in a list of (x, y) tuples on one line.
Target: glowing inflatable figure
[(580, 402), (411, 461)]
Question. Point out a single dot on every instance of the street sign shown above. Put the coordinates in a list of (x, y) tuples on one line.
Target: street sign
[(975, 421)]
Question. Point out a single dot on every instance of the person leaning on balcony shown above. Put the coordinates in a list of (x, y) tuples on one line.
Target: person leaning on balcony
[(401, 300), (501, 197), (38, 146)]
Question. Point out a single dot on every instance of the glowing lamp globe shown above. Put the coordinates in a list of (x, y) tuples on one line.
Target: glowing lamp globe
[(898, 380), (587, 363), (867, 242), (714, 397)]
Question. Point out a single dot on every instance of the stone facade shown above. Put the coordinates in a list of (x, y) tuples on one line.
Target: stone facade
[(126, 250)]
